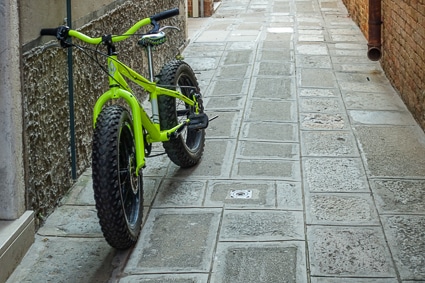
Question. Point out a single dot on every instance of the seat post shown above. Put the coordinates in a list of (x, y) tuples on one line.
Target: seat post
[(150, 62)]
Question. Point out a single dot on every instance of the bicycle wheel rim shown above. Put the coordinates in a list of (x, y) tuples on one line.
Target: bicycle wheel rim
[(192, 138), (129, 181)]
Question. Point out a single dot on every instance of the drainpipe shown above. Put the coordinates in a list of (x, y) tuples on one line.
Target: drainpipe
[(71, 98), (374, 52)]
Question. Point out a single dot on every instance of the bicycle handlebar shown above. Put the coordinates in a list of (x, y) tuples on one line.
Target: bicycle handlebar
[(165, 14), (62, 32)]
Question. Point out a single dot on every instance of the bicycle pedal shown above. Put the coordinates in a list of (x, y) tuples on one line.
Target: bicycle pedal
[(198, 121)]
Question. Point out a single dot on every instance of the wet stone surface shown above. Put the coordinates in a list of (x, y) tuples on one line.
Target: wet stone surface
[(349, 251), (399, 196), (406, 238)]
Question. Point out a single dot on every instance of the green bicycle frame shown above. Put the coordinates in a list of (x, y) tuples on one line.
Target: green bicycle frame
[(120, 89)]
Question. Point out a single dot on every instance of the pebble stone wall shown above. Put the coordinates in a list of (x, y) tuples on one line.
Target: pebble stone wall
[(46, 107)]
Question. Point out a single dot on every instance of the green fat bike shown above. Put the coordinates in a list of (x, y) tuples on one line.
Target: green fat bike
[(123, 136)]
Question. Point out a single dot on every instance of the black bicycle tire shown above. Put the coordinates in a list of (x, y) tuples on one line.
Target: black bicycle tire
[(113, 135), (185, 150)]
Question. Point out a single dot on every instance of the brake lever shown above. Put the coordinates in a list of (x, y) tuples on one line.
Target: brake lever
[(169, 27)]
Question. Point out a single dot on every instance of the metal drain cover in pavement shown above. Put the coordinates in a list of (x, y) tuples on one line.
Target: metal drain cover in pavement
[(244, 194)]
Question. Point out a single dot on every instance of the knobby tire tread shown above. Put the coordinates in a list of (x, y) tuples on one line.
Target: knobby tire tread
[(106, 181), (176, 148)]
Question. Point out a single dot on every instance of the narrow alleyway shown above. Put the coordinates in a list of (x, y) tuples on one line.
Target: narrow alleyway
[(313, 172)]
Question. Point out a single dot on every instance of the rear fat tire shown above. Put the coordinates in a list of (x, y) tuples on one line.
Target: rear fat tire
[(186, 150), (118, 192)]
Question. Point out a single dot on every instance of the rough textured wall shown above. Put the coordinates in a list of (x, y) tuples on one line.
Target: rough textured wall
[(403, 37), (359, 10), (45, 91), (404, 51)]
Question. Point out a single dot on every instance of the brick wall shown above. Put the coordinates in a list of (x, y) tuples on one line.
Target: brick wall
[(403, 46)]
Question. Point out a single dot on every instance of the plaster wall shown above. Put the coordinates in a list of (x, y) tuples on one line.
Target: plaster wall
[(12, 190)]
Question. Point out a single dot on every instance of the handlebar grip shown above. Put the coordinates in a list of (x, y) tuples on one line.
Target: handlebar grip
[(165, 14), (49, 31)]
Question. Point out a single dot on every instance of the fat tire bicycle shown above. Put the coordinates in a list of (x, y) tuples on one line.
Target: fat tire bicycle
[(123, 136)]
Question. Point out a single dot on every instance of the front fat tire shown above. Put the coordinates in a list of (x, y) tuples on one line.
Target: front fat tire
[(185, 150), (118, 192)]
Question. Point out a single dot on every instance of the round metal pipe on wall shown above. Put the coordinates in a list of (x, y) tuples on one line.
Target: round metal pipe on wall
[(374, 51)]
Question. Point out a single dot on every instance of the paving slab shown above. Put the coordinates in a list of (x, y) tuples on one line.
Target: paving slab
[(373, 101), (341, 209), (393, 151), (261, 225), (268, 150), (274, 111), (178, 278), (175, 240), (72, 221), (178, 193), (267, 169), (323, 121), (216, 151), (225, 87), (399, 196), (321, 105), (270, 131), (318, 92), (223, 193), (64, 260), (349, 251), (321, 78), (407, 243), (328, 143), (226, 125), (289, 195), (274, 88), (334, 175), (254, 262)]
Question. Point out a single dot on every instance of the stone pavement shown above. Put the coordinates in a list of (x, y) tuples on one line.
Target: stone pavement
[(313, 172)]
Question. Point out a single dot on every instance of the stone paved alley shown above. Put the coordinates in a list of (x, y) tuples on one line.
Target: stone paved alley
[(313, 172)]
